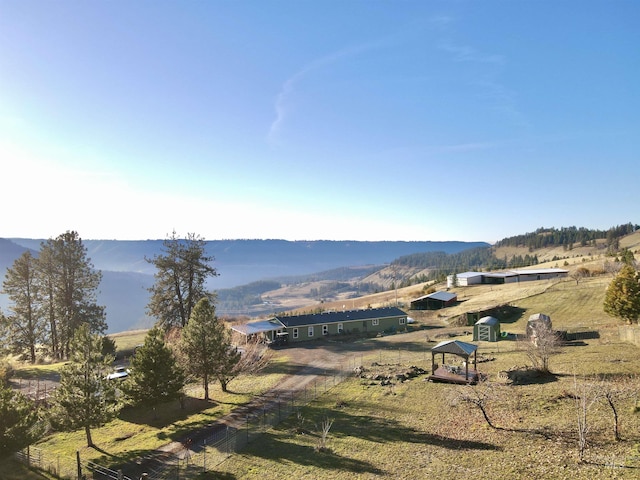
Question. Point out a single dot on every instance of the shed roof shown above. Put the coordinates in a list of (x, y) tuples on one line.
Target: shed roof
[(455, 347), (442, 296), (488, 321), (340, 317), (261, 326)]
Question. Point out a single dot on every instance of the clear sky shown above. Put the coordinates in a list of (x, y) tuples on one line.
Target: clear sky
[(323, 119)]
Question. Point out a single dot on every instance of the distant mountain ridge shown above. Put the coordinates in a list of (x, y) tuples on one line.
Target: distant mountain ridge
[(127, 275)]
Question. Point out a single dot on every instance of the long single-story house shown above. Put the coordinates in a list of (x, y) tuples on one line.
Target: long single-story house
[(466, 279), (297, 328), (434, 301)]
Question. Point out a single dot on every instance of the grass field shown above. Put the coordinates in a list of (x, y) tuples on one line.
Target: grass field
[(418, 429)]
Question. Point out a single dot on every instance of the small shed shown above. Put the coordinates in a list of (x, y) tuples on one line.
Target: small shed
[(537, 322), (486, 329)]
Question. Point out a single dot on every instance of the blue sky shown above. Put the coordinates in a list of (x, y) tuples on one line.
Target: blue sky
[(302, 120)]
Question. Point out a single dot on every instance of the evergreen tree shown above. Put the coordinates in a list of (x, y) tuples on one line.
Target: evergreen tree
[(25, 328), (622, 298), (20, 423), (85, 397), (206, 344), (70, 284), (182, 272), (155, 375)]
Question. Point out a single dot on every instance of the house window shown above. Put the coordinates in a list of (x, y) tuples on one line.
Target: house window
[(325, 329), (375, 321), (310, 332), (403, 321), (295, 333), (340, 328)]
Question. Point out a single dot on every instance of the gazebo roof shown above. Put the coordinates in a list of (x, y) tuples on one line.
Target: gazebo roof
[(455, 347)]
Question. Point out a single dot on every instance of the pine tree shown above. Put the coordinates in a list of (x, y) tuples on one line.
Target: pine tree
[(155, 375), (622, 298), (182, 272), (26, 325), (85, 397), (206, 344), (20, 423), (70, 284)]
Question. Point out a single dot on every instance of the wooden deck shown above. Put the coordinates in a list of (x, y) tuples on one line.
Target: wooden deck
[(448, 374)]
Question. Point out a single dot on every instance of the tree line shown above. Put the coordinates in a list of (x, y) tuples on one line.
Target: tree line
[(568, 237), (188, 343)]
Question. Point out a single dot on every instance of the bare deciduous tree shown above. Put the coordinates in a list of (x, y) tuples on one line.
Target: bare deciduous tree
[(480, 396), (541, 347), (323, 431), (612, 392), (586, 395), (579, 273)]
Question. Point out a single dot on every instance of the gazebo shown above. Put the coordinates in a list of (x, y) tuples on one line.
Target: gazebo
[(451, 373)]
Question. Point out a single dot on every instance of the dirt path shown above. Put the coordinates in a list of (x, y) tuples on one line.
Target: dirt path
[(312, 363)]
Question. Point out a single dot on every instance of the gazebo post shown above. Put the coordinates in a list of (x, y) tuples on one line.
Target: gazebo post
[(466, 369)]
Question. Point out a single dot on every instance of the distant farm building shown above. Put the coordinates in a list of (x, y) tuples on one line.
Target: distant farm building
[(297, 328), (466, 279), (434, 301), (486, 329)]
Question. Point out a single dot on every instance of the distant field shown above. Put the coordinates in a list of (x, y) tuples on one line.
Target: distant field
[(127, 341)]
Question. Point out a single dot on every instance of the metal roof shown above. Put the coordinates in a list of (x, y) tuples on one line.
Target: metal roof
[(539, 317), (261, 326), (455, 347), (442, 296), (469, 274), (340, 317), (540, 271), (500, 274), (488, 321)]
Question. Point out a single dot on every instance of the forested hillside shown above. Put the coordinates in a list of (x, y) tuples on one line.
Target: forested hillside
[(568, 236)]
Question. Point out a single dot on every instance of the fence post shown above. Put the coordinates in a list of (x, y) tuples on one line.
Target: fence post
[(120, 476), (204, 455), (78, 463)]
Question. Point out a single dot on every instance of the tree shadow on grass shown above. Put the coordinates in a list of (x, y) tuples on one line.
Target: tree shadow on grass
[(285, 452), (168, 413), (276, 447), (379, 429)]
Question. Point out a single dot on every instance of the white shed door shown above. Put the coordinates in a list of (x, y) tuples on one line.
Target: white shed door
[(484, 333)]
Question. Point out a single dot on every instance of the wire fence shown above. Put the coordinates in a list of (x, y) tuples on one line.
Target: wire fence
[(204, 454)]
